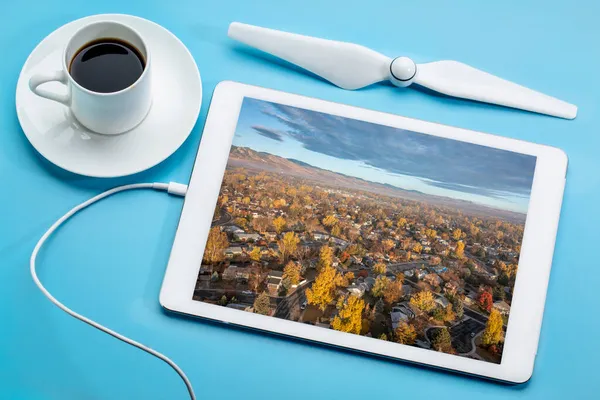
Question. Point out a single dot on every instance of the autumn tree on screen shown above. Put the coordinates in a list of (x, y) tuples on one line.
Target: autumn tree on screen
[(261, 224), (279, 224), (493, 329), (457, 234), (349, 318), (392, 292), (288, 245), (380, 284), (215, 244), (449, 314), (254, 280), (460, 249), (262, 304), (405, 334), (442, 341), (417, 247), (322, 291), (485, 300), (241, 222), (325, 257), (457, 306), (292, 272), (255, 254), (379, 268), (330, 220), (423, 301), (348, 278), (388, 245)]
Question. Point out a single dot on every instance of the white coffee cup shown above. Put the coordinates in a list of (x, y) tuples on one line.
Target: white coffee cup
[(106, 113)]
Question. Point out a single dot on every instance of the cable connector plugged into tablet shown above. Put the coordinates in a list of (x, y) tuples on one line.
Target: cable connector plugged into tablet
[(174, 188)]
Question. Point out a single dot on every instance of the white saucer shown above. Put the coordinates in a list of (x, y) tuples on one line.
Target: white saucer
[(55, 134)]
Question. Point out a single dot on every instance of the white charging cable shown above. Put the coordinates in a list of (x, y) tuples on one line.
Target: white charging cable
[(177, 189)]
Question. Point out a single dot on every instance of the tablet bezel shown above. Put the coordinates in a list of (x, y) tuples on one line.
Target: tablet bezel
[(534, 266)]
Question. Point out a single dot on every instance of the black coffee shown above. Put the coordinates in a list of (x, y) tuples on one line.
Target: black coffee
[(107, 65)]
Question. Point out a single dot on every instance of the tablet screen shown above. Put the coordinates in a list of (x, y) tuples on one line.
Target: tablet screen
[(368, 229)]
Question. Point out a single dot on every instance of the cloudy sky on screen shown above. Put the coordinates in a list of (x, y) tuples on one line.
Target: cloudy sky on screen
[(378, 153)]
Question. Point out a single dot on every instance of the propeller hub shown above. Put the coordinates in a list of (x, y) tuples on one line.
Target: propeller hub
[(402, 71)]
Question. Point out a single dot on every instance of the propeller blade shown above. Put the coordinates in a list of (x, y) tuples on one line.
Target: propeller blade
[(346, 65), (456, 79)]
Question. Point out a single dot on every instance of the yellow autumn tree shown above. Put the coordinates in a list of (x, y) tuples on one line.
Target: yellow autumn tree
[(417, 248), (379, 268), (325, 257), (423, 301), (336, 230), (430, 233), (457, 234), (401, 222), (449, 314), (493, 329), (349, 318), (292, 272), (279, 224), (405, 334), (392, 292), (322, 291), (388, 244), (255, 254), (288, 245), (380, 285), (330, 220), (215, 244), (460, 249)]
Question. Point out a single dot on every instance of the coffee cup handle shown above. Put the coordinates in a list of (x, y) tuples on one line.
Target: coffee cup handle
[(59, 76)]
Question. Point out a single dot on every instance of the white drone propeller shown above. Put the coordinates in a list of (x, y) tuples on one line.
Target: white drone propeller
[(351, 66)]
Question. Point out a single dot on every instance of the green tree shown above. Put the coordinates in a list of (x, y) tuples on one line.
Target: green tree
[(405, 333), (223, 301), (262, 304), (498, 293), (457, 306), (442, 341), (379, 305)]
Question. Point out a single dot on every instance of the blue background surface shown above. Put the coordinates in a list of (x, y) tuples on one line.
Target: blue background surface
[(108, 262)]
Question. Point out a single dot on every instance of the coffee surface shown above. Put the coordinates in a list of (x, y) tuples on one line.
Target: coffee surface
[(107, 65)]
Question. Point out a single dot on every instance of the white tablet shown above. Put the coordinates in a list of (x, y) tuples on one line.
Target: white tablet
[(368, 231)]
